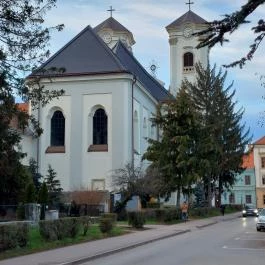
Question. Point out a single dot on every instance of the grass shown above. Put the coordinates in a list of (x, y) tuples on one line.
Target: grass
[(37, 244)]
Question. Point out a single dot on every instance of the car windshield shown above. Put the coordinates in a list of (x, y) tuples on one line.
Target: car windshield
[(249, 207), (262, 212)]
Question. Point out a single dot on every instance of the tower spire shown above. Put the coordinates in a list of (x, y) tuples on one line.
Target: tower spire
[(189, 3)]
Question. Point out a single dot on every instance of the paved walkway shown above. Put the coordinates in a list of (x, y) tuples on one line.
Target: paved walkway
[(78, 254)]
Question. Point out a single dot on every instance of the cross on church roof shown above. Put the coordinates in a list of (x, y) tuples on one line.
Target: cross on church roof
[(189, 3), (111, 10)]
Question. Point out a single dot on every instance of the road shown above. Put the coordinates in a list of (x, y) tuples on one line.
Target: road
[(234, 242)]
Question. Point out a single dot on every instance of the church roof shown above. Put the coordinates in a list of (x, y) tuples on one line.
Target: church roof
[(111, 23), (132, 65), (190, 17), (87, 54), (84, 54)]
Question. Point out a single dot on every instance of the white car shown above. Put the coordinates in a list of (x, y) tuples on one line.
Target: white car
[(261, 220)]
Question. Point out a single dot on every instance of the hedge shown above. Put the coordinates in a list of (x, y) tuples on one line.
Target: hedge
[(13, 235), (58, 229)]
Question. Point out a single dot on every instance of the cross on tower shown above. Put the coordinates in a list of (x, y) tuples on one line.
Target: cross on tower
[(111, 10), (189, 3)]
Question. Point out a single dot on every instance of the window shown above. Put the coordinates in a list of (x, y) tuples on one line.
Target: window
[(136, 136), (248, 199), (263, 180), (263, 162), (98, 184), (232, 198), (247, 180), (188, 59), (57, 129), (263, 199), (100, 127)]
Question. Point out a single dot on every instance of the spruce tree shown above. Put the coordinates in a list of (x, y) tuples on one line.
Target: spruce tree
[(222, 137), (53, 186), (174, 155)]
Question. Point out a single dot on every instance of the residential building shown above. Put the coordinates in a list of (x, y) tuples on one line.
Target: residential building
[(243, 191)]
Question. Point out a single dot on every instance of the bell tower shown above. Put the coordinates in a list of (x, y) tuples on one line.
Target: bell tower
[(111, 31), (183, 52)]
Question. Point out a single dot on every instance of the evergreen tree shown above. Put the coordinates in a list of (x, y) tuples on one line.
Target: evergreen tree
[(53, 186), (229, 24), (30, 194), (222, 137), (43, 199), (22, 48), (36, 177), (174, 155)]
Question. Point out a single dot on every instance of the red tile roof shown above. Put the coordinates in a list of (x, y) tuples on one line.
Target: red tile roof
[(248, 160), (23, 107), (261, 141)]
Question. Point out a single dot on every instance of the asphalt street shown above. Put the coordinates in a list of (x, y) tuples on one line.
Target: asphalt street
[(233, 242)]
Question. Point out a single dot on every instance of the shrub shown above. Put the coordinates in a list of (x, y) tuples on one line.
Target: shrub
[(13, 235), (136, 219), (112, 216), (105, 225), (155, 205), (58, 229), (171, 215), (85, 221), (20, 212)]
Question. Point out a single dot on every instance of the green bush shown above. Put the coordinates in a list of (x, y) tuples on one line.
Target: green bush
[(153, 205), (20, 212), (112, 216), (13, 235), (85, 221), (171, 215), (52, 230), (136, 219), (105, 225)]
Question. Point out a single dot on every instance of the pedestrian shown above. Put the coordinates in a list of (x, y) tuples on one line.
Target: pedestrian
[(222, 209), (184, 210)]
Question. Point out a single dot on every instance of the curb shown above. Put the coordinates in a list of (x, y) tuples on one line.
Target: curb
[(110, 252)]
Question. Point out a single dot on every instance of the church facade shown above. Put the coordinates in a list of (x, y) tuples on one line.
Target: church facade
[(103, 121)]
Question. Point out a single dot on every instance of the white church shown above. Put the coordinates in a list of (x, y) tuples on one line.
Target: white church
[(103, 119)]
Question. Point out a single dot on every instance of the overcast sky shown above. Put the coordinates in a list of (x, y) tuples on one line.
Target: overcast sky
[(147, 20)]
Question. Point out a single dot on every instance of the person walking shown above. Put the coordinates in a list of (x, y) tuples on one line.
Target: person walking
[(222, 208), (184, 211)]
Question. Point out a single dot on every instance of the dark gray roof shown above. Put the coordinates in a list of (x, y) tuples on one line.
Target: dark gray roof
[(84, 54), (111, 23), (187, 17), (87, 54), (133, 66)]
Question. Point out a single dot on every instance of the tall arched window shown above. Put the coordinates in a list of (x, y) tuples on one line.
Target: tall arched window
[(100, 127), (57, 129), (188, 59)]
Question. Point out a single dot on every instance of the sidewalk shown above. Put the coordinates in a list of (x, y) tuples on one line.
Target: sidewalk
[(78, 254)]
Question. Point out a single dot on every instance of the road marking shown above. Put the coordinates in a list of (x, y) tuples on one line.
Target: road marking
[(237, 238), (256, 249)]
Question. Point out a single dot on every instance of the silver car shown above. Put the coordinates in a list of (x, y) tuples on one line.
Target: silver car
[(261, 220)]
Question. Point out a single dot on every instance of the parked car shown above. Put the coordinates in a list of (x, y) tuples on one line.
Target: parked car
[(250, 210), (261, 220)]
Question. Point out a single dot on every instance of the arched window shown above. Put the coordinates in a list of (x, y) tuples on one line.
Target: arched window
[(188, 59), (100, 127), (57, 129)]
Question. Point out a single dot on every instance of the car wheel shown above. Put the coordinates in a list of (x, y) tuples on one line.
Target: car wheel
[(244, 215), (258, 229)]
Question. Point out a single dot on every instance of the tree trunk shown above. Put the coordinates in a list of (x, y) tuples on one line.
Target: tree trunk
[(209, 191), (178, 198)]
